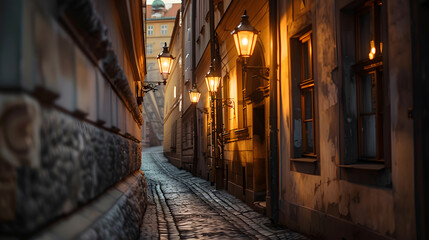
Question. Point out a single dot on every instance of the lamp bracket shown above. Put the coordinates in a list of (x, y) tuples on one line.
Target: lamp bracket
[(149, 87), (264, 74)]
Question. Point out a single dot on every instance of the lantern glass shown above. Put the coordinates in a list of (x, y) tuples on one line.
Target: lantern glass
[(245, 42), (212, 83), (245, 37), (165, 62), (212, 80), (194, 95)]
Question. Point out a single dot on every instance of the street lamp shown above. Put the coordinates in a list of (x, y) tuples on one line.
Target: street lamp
[(165, 62), (194, 95), (245, 36), (212, 80)]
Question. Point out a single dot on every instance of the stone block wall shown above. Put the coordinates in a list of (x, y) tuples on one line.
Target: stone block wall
[(69, 121)]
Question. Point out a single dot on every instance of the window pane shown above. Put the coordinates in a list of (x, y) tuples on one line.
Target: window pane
[(364, 34), (309, 137), (308, 106), (306, 74), (368, 94), (369, 139)]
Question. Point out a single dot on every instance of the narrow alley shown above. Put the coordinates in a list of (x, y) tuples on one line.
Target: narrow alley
[(185, 207)]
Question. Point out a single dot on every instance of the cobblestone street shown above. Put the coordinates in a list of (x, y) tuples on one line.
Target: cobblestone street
[(186, 207)]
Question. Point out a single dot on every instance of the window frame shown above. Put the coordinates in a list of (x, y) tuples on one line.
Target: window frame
[(353, 167), (373, 67), (304, 85), (164, 29), (150, 30), (303, 160), (149, 46)]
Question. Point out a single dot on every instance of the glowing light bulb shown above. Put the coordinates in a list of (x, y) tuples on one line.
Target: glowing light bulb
[(245, 41), (373, 50)]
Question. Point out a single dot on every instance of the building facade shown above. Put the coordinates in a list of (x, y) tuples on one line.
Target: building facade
[(70, 110), (159, 27), (173, 98), (346, 164), (319, 128)]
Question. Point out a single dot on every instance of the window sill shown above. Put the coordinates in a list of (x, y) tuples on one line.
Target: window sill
[(371, 174), (305, 165), (304, 160), (236, 135), (370, 167)]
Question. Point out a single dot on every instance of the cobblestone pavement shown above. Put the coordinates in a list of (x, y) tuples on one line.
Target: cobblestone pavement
[(185, 207)]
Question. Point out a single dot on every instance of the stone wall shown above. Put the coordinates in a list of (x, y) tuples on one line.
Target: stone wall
[(69, 120), (69, 163)]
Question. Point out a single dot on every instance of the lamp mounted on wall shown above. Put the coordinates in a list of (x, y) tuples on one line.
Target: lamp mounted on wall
[(165, 62), (245, 37), (212, 80), (194, 95)]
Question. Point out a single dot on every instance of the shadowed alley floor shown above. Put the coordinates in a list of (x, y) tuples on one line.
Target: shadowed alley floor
[(185, 207)]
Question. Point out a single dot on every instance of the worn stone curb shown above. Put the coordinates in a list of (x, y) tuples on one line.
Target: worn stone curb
[(116, 214)]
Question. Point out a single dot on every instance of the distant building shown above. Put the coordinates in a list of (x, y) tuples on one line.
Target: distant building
[(159, 26)]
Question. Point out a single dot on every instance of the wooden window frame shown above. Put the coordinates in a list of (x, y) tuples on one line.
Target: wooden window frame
[(374, 68), (307, 85)]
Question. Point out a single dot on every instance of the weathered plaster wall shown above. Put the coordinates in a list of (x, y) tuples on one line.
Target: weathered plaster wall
[(401, 100), (309, 203)]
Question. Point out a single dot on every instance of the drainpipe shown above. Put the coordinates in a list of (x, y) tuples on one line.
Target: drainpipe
[(194, 83), (274, 148)]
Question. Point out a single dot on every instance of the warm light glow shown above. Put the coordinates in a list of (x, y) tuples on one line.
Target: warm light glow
[(212, 83), (212, 80), (165, 62), (245, 37), (373, 50), (381, 47), (245, 42), (194, 95)]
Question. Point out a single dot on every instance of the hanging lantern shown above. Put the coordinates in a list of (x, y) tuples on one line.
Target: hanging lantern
[(245, 36), (194, 95), (165, 62), (212, 80), (372, 51)]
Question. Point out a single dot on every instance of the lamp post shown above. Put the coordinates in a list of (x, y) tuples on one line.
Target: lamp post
[(165, 63), (212, 80), (194, 96)]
